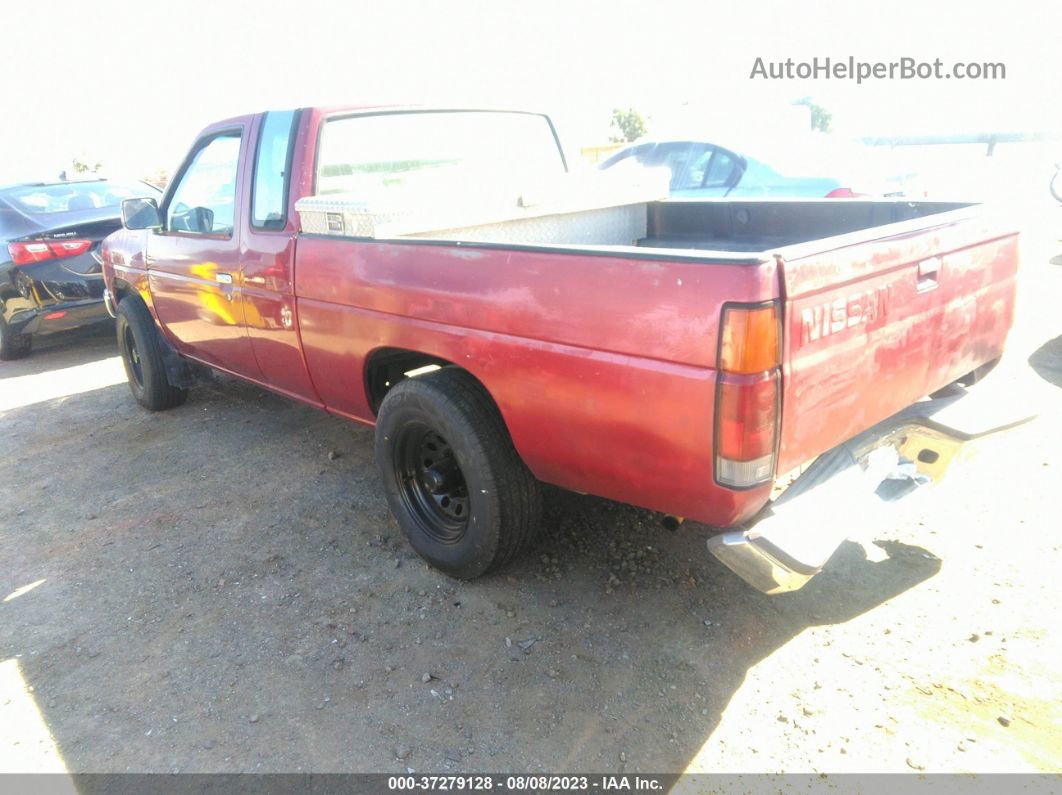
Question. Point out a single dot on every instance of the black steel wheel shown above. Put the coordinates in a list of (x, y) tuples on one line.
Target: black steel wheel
[(136, 368), (453, 480), (431, 484), (144, 366)]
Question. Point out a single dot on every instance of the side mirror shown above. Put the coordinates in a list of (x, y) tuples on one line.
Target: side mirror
[(141, 214)]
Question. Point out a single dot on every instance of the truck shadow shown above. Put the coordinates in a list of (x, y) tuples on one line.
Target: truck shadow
[(683, 632), (1047, 361), (221, 588)]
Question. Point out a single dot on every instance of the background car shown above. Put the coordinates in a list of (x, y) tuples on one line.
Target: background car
[(813, 165), (50, 277)]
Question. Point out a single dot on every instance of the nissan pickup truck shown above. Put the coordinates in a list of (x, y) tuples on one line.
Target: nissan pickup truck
[(504, 322)]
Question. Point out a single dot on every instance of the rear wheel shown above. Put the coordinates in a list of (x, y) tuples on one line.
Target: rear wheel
[(13, 346), (144, 367), (452, 477)]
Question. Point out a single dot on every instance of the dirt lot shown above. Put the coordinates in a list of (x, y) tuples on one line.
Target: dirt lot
[(221, 588)]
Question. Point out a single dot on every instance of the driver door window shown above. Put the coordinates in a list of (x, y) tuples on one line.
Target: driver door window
[(203, 202)]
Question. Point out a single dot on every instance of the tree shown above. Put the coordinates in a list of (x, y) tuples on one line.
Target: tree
[(820, 117), (629, 124), (159, 177), (83, 164)]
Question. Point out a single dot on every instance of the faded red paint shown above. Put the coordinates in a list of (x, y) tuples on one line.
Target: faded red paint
[(603, 366)]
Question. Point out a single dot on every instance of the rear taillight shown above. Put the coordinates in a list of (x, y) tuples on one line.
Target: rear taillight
[(750, 341), (748, 395), (39, 251), (844, 193)]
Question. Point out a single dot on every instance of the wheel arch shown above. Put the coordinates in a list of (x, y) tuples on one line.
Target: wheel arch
[(388, 365), (122, 288), (125, 289), (179, 372)]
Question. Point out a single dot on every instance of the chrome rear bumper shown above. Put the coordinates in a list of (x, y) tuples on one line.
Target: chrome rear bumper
[(108, 301), (790, 541)]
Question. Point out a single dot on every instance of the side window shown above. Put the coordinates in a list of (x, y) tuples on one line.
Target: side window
[(204, 200), (686, 160), (698, 168), (272, 166), (720, 170)]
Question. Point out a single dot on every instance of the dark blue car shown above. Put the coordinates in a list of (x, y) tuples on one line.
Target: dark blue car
[(50, 275), (812, 166)]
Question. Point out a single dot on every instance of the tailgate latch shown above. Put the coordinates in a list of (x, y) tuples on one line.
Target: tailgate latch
[(928, 273)]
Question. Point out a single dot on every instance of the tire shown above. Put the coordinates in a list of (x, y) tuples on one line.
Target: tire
[(138, 342), (13, 346), (453, 480)]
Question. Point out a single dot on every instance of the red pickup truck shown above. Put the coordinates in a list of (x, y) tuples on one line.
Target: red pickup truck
[(685, 368)]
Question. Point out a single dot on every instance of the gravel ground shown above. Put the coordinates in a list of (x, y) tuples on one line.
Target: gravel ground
[(221, 588)]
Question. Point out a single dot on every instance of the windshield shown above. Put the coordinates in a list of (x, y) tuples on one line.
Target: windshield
[(64, 197), (367, 154)]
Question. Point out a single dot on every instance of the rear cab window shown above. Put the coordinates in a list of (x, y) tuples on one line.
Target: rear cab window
[(272, 169), (440, 153)]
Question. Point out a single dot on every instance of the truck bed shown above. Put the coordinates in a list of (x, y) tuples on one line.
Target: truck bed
[(863, 336), (754, 225)]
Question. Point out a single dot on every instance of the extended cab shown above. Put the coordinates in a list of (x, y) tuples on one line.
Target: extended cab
[(440, 275)]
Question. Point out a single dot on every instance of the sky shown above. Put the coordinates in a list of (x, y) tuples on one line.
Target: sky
[(130, 84)]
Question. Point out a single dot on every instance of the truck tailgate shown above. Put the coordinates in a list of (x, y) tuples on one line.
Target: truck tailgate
[(872, 326)]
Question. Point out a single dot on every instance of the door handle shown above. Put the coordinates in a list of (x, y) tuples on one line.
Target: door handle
[(928, 273), (225, 280)]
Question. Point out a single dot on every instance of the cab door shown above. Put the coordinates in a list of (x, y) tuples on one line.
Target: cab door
[(268, 257), (193, 261)]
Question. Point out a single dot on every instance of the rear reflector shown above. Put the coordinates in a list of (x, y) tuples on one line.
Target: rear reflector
[(746, 429), (742, 474), (750, 339), (29, 253)]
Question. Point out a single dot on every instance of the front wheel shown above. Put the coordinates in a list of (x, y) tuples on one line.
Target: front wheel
[(138, 343), (453, 480)]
